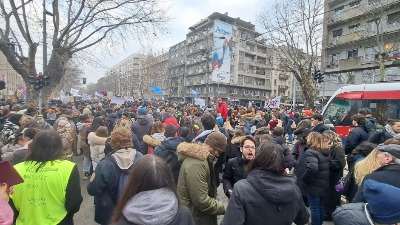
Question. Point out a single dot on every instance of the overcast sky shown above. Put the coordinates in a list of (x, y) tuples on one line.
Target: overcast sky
[(185, 13)]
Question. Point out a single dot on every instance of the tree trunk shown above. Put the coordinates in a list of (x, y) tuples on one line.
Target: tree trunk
[(382, 68), (308, 91)]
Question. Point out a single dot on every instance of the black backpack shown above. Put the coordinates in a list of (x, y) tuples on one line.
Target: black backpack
[(171, 157)]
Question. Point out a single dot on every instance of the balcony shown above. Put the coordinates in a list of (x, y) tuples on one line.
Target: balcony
[(283, 76), (283, 87), (351, 63)]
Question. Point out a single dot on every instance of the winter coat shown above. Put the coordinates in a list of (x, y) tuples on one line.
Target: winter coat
[(97, 145), (155, 207), (266, 198), (387, 174), (223, 109), (7, 152), (320, 128), (170, 144), (356, 136), (152, 142), (298, 147), (337, 164), (196, 188), (303, 124), (84, 132), (9, 132), (105, 183), (67, 139), (289, 160), (141, 127), (234, 150), (315, 178), (300, 165), (380, 137), (234, 171), (352, 214), (21, 153)]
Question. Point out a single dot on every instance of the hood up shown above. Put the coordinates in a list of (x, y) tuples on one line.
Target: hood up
[(143, 120), (152, 207), (278, 189), (278, 139)]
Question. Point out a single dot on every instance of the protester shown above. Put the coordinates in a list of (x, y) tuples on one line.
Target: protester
[(51, 184), (97, 141), (223, 109), (317, 122), (150, 196), (277, 137), (235, 167), (141, 127), (21, 153), (358, 134), (196, 185), (6, 212), (107, 182), (391, 130), (268, 195), (155, 138)]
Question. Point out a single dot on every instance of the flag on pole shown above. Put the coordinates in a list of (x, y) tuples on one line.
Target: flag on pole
[(196, 95), (157, 90)]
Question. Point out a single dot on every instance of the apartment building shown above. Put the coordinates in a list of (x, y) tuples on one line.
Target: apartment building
[(357, 35), (12, 79), (155, 72), (176, 71)]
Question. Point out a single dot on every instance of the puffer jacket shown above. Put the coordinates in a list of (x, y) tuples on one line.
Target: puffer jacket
[(266, 198), (234, 150), (97, 145), (152, 142), (356, 136), (352, 214), (141, 127), (84, 132), (196, 188), (315, 177)]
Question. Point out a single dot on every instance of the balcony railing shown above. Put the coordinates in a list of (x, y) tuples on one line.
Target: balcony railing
[(283, 76), (283, 87)]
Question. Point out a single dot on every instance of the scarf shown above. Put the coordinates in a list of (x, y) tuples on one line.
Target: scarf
[(389, 129)]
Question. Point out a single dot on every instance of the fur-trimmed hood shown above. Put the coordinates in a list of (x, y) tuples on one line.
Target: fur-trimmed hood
[(237, 140), (151, 141), (93, 139), (262, 130), (194, 150)]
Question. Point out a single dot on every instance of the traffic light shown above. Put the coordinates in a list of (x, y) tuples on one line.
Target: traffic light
[(316, 74), (38, 83), (320, 77), (46, 80), (31, 79), (2, 85), (84, 80)]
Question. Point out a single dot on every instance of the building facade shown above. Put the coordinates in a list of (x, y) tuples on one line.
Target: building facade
[(155, 72), (361, 41), (12, 80)]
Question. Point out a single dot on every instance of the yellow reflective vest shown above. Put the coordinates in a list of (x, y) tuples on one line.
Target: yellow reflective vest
[(40, 199)]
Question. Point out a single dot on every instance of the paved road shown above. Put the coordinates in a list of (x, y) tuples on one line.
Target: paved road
[(85, 216)]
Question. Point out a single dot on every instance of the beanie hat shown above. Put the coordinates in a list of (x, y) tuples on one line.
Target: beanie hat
[(142, 111), (219, 120), (308, 112), (392, 149), (217, 141), (383, 201)]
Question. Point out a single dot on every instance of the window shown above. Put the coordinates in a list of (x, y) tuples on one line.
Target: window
[(338, 9), (210, 89), (337, 33), (372, 25), (393, 18), (352, 53), (354, 28), (354, 3)]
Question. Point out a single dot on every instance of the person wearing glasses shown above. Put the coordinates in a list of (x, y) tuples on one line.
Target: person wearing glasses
[(235, 167)]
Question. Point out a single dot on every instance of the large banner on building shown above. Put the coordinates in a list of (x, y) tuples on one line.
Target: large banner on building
[(221, 56)]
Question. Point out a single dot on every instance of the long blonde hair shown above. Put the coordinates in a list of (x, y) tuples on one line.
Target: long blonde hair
[(366, 166), (331, 138), (316, 141)]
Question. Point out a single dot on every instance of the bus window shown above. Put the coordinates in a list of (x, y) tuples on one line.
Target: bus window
[(338, 110)]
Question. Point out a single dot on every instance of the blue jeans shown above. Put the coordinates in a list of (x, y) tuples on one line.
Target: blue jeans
[(290, 137), (87, 163), (317, 209)]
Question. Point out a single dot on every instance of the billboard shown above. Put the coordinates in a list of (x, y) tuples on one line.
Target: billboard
[(221, 55)]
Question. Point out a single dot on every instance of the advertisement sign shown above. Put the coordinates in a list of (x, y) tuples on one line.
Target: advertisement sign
[(221, 56)]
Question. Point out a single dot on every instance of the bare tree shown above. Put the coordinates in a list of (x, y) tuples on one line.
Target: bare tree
[(72, 77), (294, 30), (76, 26)]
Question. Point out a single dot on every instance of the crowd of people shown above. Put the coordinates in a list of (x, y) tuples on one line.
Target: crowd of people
[(154, 163)]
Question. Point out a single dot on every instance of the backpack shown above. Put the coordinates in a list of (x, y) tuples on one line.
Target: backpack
[(292, 124), (171, 157)]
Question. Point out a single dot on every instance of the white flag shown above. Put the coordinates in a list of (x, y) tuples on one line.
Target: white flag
[(74, 92)]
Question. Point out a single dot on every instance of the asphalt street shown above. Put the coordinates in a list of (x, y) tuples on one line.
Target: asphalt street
[(85, 216)]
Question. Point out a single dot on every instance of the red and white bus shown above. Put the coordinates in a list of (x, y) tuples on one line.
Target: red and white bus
[(382, 98)]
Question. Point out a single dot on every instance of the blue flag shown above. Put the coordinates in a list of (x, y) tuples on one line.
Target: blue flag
[(196, 95), (157, 90)]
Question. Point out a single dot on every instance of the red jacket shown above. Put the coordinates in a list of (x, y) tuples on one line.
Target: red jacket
[(223, 109)]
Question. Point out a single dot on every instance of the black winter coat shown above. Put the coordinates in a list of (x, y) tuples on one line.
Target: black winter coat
[(320, 128), (234, 171), (141, 127), (300, 165), (337, 163), (266, 198), (380, 137), (289, 160), (356, 136), (387, 174), (315, 177)]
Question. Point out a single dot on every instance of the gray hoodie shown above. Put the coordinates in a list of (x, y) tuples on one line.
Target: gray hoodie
[(152, 207)]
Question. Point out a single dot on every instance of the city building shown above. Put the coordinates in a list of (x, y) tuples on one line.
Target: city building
[(155, 72), (12, 80), (126, 78), (360, 42), (176, 69), (247, 73)]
